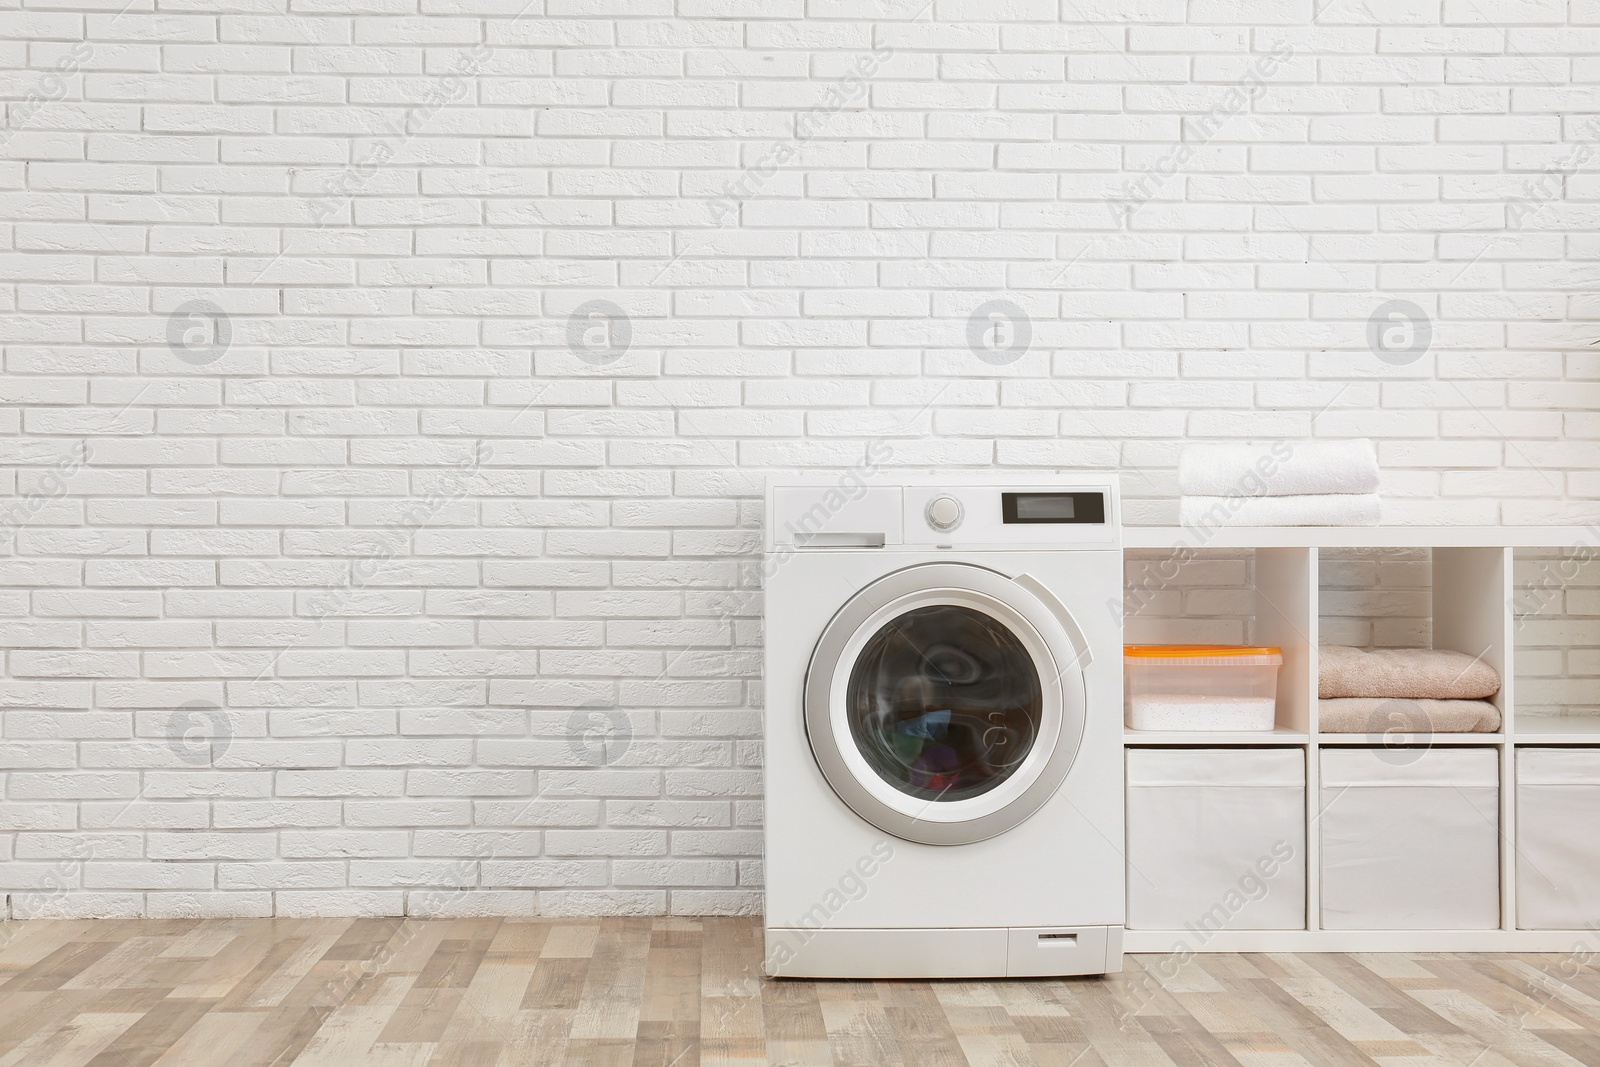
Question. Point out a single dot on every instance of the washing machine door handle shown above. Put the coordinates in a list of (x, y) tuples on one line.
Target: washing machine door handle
[(1082, 657)]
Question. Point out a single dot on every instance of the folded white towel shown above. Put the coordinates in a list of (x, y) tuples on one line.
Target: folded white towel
[(1319, 509), (1286, 468)]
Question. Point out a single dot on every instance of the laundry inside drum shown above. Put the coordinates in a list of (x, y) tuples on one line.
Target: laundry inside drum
[(944, 702)]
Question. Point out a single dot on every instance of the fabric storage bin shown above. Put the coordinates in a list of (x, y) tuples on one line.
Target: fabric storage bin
[(1410, 839), (1216, 839), (1558, 838)]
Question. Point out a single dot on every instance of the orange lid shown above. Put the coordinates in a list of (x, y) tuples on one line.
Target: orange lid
[(1196, 651)]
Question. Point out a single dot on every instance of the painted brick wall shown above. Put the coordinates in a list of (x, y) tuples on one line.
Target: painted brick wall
[(1557, 628), (388, 390)]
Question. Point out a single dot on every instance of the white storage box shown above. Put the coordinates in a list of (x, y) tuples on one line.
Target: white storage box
[(1216, 839), (1410, 839), (1201, 687), (1558, 838)]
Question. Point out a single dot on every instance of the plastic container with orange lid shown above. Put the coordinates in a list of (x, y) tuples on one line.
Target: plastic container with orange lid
[(1201, 687)]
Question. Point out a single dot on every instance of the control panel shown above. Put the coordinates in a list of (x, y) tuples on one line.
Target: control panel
[(809, 512)]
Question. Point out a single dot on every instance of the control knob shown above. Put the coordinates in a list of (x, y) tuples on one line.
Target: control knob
[(944, 513)]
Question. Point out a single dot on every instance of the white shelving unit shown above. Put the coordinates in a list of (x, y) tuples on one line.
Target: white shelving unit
[(1472, 612)]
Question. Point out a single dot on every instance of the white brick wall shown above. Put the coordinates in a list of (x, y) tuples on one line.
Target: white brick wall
[(304, 462), (1558, 632)]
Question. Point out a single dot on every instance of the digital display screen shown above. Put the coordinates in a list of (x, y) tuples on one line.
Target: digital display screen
[(1046, 508), (1053, 507)]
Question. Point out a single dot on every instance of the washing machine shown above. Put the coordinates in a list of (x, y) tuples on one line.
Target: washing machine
[(943, 726)]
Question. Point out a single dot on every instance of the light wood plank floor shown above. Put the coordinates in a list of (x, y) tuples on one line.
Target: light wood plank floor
[(683, 992)]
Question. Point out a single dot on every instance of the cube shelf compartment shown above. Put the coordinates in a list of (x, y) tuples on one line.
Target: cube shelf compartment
[(1259, 596), (1524, 599)]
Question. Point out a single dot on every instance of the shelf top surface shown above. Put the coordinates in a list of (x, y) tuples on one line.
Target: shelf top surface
[(1277, 736), (1195, 537), (1559, 729), (1530, 730), (1284, 736)]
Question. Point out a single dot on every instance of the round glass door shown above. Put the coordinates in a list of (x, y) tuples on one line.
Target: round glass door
[(944, 703)]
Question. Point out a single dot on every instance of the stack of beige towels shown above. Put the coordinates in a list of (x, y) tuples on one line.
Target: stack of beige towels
[(1446, 692)]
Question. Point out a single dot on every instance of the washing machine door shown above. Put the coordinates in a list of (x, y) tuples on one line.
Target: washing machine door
[(945, 702)]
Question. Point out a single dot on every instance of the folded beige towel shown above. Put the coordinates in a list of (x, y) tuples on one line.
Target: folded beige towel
[(1381, 715), (1417, 673)]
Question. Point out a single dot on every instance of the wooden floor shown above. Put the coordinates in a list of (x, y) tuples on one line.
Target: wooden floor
[(681, 992)]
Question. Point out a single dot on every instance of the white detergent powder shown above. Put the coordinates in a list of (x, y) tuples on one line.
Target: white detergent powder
[(1183, 711)]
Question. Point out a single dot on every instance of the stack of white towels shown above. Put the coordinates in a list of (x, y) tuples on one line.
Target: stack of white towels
[(1288, 483)]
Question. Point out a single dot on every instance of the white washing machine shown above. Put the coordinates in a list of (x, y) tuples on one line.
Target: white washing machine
[(943, 727)]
